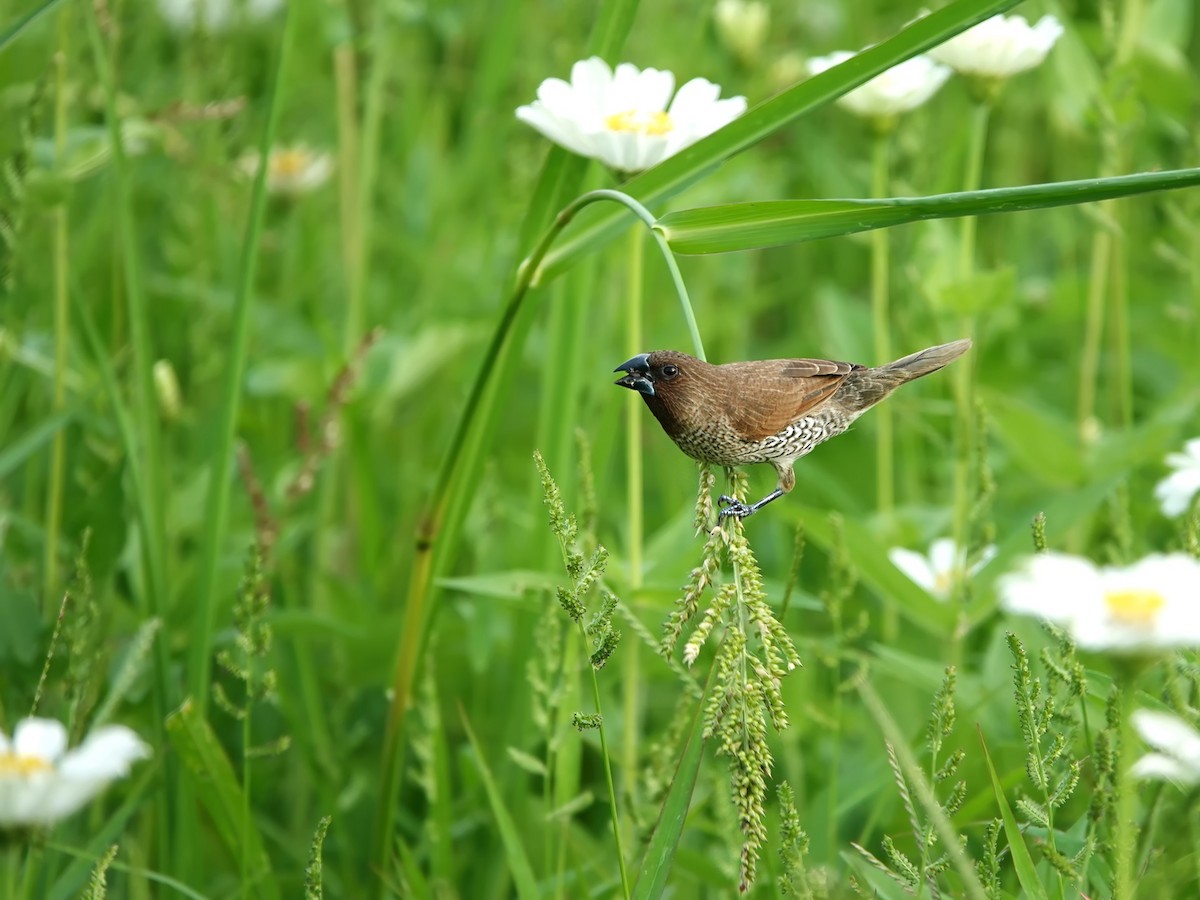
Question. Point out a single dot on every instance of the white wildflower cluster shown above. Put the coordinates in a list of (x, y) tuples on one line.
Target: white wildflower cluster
[(631, 119)]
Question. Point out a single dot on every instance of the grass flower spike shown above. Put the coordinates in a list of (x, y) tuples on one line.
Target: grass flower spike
[(898, 90), (1175, 492), (41, 782), (1148, 606), (627, 119), (999, 47), (1177, 744), (291, 171), (942, 570)]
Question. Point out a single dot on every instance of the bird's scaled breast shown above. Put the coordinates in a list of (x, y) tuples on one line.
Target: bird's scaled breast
[(721, 444)]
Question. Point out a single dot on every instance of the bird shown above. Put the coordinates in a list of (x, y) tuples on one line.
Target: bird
[(766, 411)]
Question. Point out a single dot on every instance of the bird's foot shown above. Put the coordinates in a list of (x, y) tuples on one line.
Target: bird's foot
[(731, 506)]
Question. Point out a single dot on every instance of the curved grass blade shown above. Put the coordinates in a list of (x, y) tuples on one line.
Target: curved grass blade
[(660, 852), (671, 176), (510, 836), (752, 226), (1027, 875)]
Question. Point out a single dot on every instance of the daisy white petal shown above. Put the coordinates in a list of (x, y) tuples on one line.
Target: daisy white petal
[(1176, 492), (999, 47), (901, 88), (625, 117), (41, 781), (1177, 743), (1147, 607), (914, 565), (942, 570)]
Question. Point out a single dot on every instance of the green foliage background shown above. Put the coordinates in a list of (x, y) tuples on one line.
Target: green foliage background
[(419, 234)]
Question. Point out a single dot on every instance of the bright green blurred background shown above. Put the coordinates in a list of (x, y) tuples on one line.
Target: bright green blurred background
[(417, 234)]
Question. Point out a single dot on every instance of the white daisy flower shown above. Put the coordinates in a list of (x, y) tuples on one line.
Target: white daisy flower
[(622, 118), (1150, 605), (215, 15), (42, 782), (742, 25), (900, 89), (1178, 746), (291, 171), (1175, 492), (942, 570), (999, 47)]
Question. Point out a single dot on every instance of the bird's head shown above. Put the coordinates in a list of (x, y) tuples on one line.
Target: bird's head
[(657, 375)]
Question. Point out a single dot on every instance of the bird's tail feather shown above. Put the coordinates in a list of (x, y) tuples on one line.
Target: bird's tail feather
[(866, 387)]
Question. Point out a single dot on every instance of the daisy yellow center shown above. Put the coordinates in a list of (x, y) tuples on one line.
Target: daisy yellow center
[(22, 766), (1135, 607), (289, 163), (653, 124)]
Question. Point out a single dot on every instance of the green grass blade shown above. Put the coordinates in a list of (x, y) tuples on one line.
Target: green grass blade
[(518, 859), (1022, 861), (660, 852), (671, 176), (217, 787), (10, 34), (20, 449), (752, 226), (217, 503)]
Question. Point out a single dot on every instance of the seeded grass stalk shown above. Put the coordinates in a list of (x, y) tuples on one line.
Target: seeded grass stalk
[(922, 789), (446, 506)]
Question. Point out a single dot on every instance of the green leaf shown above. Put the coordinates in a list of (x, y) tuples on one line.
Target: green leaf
[(215, 784), (877, 572), (604, 222), (752, 226), (510, 835), (660, 853), (1022, 861)]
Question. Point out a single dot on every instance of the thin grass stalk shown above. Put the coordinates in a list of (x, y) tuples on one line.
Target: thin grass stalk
[(1124, 829), (885, 445), (964, 375), (635, 511), (61, 253), (217, 503), (429, 528), (142, 439), (608, 777), (1089, 364)]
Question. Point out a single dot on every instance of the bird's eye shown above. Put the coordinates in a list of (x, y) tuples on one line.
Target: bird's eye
[(670, 371)]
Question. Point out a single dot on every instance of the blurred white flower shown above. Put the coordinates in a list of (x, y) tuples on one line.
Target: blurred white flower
[(1175, 492), (622, 118), (942, 570), (901, 88), (42, 782), (1150, 605), (999, 47), (1178, 746), (291, 171), (742, 26), (215, 15)]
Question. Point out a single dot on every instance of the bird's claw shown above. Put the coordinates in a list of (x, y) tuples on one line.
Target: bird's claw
[(731, 506)]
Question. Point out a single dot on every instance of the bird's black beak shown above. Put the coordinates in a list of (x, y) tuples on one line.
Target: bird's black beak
[(638, 378)]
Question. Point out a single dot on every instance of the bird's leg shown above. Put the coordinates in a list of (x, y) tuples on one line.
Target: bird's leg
[(731, 506)]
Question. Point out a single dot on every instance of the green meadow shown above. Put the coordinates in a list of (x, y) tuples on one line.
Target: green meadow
[(314, 474)]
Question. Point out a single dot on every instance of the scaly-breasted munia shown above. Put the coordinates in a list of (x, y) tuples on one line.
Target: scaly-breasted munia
[(772, 410)]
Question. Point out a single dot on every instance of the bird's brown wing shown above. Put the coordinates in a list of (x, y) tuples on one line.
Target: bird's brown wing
[(777, 392)]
